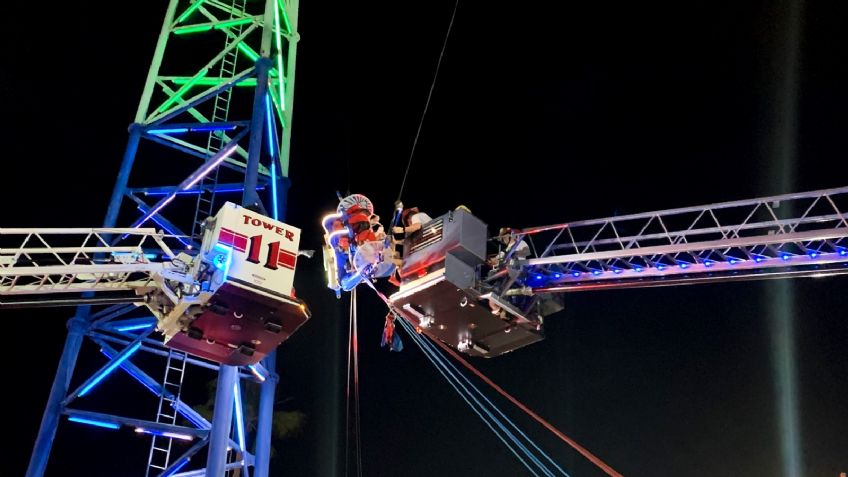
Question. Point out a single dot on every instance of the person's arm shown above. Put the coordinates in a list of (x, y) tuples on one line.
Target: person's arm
[(408, 229), (522, 251), (414, 227)]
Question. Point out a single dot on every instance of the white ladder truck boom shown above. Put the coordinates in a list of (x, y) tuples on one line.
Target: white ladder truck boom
[(232, 302), (486, 309)]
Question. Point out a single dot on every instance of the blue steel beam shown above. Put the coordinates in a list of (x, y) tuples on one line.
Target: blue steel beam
[(165, 190), (153, 386), (286, 76), (231, 163), (259, 371), (182, 460), (131, 324), (194, 177), (238, 419), (268, 387), (123, 177), (95, 422), (202, 472), (159, 350), (111, 313), (106, 370), (222, 417), (164, 224), (251, 174), (173, 145), (264, 425), (133, 422), (49, 422), (148, 382), (196, 126)]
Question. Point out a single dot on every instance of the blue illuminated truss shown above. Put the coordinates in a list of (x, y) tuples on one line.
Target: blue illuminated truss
[(227, 121)]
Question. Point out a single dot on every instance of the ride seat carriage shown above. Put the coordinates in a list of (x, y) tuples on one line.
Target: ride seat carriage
[(352, 249)]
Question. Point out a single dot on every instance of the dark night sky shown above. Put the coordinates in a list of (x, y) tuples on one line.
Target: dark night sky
[(540, 115)]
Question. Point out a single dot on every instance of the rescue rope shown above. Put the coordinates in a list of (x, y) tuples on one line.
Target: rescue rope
[(571, 442), (356, 383), (459, 377), (477, 406), (483, 407), (547, 425), (353, 365), (427, 104), (347, 389)]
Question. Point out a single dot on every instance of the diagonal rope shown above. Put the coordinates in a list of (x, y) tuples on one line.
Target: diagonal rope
[(469, 392), (429, 97), (571, 442), (465, 395), (447, 363), (547, 425)]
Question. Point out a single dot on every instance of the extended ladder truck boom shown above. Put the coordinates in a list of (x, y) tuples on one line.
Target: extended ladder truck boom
[(451, 290), (233, 302)]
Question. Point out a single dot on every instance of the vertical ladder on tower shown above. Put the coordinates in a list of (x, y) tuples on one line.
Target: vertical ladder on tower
[(160, 446), (217, 139)]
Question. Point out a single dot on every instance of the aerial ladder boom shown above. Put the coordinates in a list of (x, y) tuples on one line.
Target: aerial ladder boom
[(232, 301), (42, 262), (453, 290), (791, 235)]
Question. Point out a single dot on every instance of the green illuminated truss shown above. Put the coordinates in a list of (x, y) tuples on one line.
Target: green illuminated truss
[(191, 83)]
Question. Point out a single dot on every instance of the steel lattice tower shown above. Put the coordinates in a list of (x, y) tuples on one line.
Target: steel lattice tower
[(214, 120)]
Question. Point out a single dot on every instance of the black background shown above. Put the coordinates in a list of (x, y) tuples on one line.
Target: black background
[(541, 114)]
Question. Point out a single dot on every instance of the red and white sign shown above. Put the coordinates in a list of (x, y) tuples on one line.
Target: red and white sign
[(264, 251)]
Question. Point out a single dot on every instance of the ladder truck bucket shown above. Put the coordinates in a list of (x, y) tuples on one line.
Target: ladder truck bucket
[(247, 305), (441, 290)]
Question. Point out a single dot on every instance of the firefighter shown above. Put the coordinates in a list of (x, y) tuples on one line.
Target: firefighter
[(412, 220)]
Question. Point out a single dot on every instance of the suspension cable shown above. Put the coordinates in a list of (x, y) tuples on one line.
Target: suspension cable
[(429, 96), (347, 388), (353, 369), (356, 383)]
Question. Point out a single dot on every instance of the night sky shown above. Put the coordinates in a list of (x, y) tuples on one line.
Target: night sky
[(540, 115)]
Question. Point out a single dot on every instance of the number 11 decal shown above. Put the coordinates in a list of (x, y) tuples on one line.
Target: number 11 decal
[(273, 252)]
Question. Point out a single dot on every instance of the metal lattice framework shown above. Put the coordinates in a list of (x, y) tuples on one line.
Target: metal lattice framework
[(214, 120), (38, 265), (802, 234)]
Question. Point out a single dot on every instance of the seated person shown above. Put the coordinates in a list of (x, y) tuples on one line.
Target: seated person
[(360, 225), (507, 238), (343, 241), (377, 227)]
